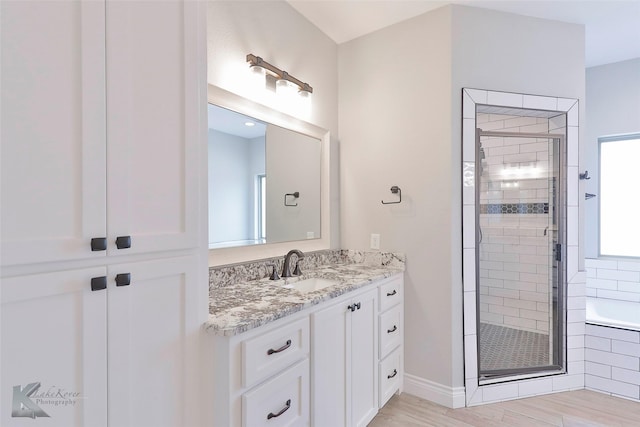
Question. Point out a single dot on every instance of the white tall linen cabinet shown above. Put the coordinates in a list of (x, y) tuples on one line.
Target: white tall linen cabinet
[(103, 229)]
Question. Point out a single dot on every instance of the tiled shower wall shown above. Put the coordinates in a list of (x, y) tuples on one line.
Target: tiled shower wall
[(515, 224)]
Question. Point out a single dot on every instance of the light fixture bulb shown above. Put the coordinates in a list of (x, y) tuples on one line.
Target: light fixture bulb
[(285, 88), (250, 124), (257, 70)]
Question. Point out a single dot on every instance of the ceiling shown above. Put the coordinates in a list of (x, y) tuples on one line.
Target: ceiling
[(612, 27)]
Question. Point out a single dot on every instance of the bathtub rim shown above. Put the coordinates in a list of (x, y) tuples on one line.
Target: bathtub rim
[(594, 319)]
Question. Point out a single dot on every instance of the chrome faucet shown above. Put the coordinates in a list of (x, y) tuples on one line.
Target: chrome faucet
[(286, 270)]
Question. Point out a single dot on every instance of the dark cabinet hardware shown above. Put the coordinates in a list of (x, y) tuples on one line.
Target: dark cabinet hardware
[(395, 372), (584, 175), (123, 279), (282, 411), (390, 294), (283, 348), (99, 244), (98, 283), (395, 328), (294, 195), (123, 242), (353, 307)]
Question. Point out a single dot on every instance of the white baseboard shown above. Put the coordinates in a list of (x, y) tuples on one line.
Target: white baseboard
[(451, 397)]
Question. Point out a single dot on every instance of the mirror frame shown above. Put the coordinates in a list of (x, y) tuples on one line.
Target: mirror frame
[(239, 104)]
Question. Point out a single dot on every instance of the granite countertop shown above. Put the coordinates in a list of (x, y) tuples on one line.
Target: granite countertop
[(240, 307)]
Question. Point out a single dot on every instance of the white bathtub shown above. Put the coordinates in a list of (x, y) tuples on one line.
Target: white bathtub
[(614, 313)]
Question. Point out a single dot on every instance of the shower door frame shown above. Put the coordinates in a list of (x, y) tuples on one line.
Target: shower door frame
[(559, 329)]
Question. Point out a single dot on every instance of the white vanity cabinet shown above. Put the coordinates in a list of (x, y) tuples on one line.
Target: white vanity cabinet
[(329, 365), (101, 127), (391, 338), (344, 361), (261, 377)]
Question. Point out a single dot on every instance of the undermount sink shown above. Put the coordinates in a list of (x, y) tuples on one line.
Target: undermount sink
[(311, 284)]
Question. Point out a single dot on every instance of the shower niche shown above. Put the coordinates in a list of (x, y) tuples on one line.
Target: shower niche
[(514, 237)]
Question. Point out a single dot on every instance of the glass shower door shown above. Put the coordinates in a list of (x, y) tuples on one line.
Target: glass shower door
[(520, 239)]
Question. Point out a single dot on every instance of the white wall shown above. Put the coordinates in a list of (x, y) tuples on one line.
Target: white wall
[(395, 129), (400, 124), (276, 32), (612, 107)]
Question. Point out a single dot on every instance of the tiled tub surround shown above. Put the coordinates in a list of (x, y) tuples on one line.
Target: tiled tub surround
[(613, 279), (612, 354), (241, 296), (612, 361), (574, 379)]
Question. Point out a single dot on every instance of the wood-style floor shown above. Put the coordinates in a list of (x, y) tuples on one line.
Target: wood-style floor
[(569, 409)]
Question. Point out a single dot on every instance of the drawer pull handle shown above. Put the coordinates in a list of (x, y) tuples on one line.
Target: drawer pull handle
[(283, 348), (282, 411), (123, 242), (354, 307), (395, 328), (390, 294), (98, 283), (395, 372)]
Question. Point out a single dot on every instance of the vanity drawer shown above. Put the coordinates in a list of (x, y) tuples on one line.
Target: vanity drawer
[(281, 401), (389, 375), (271, 352), (391, 293), (390, 331)]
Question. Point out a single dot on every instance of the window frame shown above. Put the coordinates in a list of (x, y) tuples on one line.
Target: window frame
[(603, 140)]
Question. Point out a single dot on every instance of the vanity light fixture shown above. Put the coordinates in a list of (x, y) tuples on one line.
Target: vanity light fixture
[(285, 82)]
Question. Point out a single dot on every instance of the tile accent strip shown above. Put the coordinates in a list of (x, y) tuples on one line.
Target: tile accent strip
[(514, 208)]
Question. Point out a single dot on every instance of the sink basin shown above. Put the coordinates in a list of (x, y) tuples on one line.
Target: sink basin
[(311, 284)]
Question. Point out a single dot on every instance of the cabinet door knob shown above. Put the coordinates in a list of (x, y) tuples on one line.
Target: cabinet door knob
[(99, 244), (395, 372), (123, 279), (98, 283), (390, 294), (282, 411), (283, 348), (123, 242), (358, 306), (395, 328)]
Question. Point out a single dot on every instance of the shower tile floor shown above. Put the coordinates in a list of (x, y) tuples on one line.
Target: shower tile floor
[(508, 348)]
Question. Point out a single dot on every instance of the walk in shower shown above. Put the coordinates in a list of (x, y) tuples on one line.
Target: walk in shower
[(520, 217)]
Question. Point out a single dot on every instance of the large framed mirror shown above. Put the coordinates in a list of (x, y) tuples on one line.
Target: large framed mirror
[(267, 181), (264, 181)]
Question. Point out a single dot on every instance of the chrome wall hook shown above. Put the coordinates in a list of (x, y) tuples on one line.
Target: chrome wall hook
[(395, 190)]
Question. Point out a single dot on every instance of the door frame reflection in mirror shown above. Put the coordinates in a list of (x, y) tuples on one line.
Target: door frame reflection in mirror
[(233, 102)]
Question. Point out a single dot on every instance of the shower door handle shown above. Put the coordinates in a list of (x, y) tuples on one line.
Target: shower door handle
[(558, 252)]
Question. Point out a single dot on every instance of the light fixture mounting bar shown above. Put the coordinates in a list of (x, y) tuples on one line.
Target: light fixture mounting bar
[(281, 74)]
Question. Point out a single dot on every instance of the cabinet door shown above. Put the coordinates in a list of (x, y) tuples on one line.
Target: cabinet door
[(54, 339), (53, 130), (153, 123), (152, 328), (329, 365), (363, 377)]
